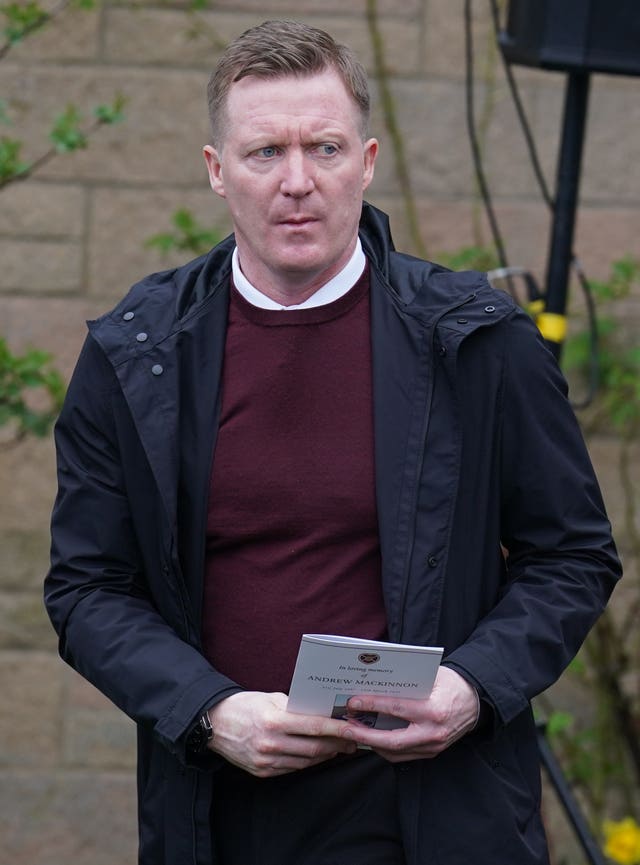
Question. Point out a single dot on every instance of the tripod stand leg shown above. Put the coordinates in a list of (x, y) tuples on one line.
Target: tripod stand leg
[(555, 774)]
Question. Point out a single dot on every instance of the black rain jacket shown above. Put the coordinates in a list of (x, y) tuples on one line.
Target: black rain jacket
[(475, 446)]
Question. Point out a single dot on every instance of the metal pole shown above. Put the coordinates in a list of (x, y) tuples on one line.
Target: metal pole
[(552, 322)]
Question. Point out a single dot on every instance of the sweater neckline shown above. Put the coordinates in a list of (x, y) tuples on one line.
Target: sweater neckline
[(311, 315)]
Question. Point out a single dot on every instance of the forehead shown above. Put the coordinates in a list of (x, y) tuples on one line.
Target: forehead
[(317, 98)]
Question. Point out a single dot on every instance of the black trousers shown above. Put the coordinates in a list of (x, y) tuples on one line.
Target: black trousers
[(343, 812)]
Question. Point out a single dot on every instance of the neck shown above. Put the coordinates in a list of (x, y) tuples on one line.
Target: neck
[(292, 293)]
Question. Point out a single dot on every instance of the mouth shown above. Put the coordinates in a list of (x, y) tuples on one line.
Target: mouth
[(298, 220)]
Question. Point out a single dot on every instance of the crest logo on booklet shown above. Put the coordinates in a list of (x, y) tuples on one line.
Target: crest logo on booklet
[(368, 657)]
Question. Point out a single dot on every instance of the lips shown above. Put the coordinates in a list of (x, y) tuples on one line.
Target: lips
[(297, 220)]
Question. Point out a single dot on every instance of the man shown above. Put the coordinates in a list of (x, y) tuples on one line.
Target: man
[(306, 431)]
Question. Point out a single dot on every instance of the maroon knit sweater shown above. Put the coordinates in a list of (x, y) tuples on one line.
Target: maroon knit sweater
[(292, 537)]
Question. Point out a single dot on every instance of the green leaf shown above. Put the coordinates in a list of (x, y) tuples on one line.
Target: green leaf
[(184, 220), (66, 134), (189, 235), (19, 374), (113, 113), (22, 18), (470, 258), (559, 722), (11, 165), (633, 356), (163, 242), (624, 273), (578, 666)]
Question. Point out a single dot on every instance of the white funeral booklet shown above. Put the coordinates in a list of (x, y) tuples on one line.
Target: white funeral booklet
[(331, 669)]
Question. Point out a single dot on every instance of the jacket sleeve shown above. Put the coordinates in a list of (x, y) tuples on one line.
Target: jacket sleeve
[(110, 622), (562, 563)]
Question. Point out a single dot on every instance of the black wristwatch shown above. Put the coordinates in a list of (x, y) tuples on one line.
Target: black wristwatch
[(201, 735)]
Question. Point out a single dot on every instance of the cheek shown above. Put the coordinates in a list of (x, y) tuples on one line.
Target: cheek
[(354, 185), (251, 197)]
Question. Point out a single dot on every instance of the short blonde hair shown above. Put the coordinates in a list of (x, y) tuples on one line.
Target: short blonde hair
[(278, 48)]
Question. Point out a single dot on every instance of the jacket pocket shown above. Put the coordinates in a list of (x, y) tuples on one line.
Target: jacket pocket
[(478, 805)]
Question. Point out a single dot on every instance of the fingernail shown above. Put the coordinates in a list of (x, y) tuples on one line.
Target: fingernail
[(355, 704)]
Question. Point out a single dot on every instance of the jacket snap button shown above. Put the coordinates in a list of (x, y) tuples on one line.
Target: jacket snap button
[(128, 316), (142, 337), (442, 351), (156, 369), (463, 321), (432, 561), (489, 309)]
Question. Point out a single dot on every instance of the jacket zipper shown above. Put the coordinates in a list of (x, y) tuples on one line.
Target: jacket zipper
[(419, 464)]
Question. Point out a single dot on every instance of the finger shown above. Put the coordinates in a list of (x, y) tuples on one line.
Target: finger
[(285, 764), (387, 740), (409, 710), (312, 748), (417, 739), (292, 753), (312, 725), (282, 764)]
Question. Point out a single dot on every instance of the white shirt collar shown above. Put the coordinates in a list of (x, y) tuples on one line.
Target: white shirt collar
[(330, 291)]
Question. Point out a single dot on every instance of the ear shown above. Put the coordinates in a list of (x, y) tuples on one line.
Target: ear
[(214, 167), (370, 153)]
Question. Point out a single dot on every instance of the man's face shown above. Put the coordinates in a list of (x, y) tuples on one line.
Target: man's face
[(292, 167)]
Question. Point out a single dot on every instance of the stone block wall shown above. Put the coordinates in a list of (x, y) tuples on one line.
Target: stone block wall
[(73, 238)]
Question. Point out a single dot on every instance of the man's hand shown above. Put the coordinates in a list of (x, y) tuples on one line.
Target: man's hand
[(450, 711), (254, 731)]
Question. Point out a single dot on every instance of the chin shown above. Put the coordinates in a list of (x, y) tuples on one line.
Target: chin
[(301, 263)]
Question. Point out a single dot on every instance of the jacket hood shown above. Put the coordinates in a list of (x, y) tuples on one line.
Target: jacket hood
[(162, 303), (422, 288)]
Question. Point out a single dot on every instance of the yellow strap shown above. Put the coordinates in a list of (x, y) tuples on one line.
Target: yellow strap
[(552, 326), (535, 307)]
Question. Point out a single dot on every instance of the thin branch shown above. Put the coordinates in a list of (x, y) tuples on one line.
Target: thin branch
[(389, 113), (630, 516), (46, 157), (484, 122), (46, 17), (610, 661)]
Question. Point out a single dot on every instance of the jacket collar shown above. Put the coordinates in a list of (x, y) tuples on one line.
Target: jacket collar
[(425, 290), (163, 303)]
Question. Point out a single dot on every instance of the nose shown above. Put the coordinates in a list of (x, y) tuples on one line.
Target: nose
[(297, 179)]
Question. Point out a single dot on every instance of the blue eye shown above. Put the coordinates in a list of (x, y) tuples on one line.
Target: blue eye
[(328, 149), (267, 152)]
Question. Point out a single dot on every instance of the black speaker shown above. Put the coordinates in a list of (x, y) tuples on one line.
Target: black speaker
[(587, 35)]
